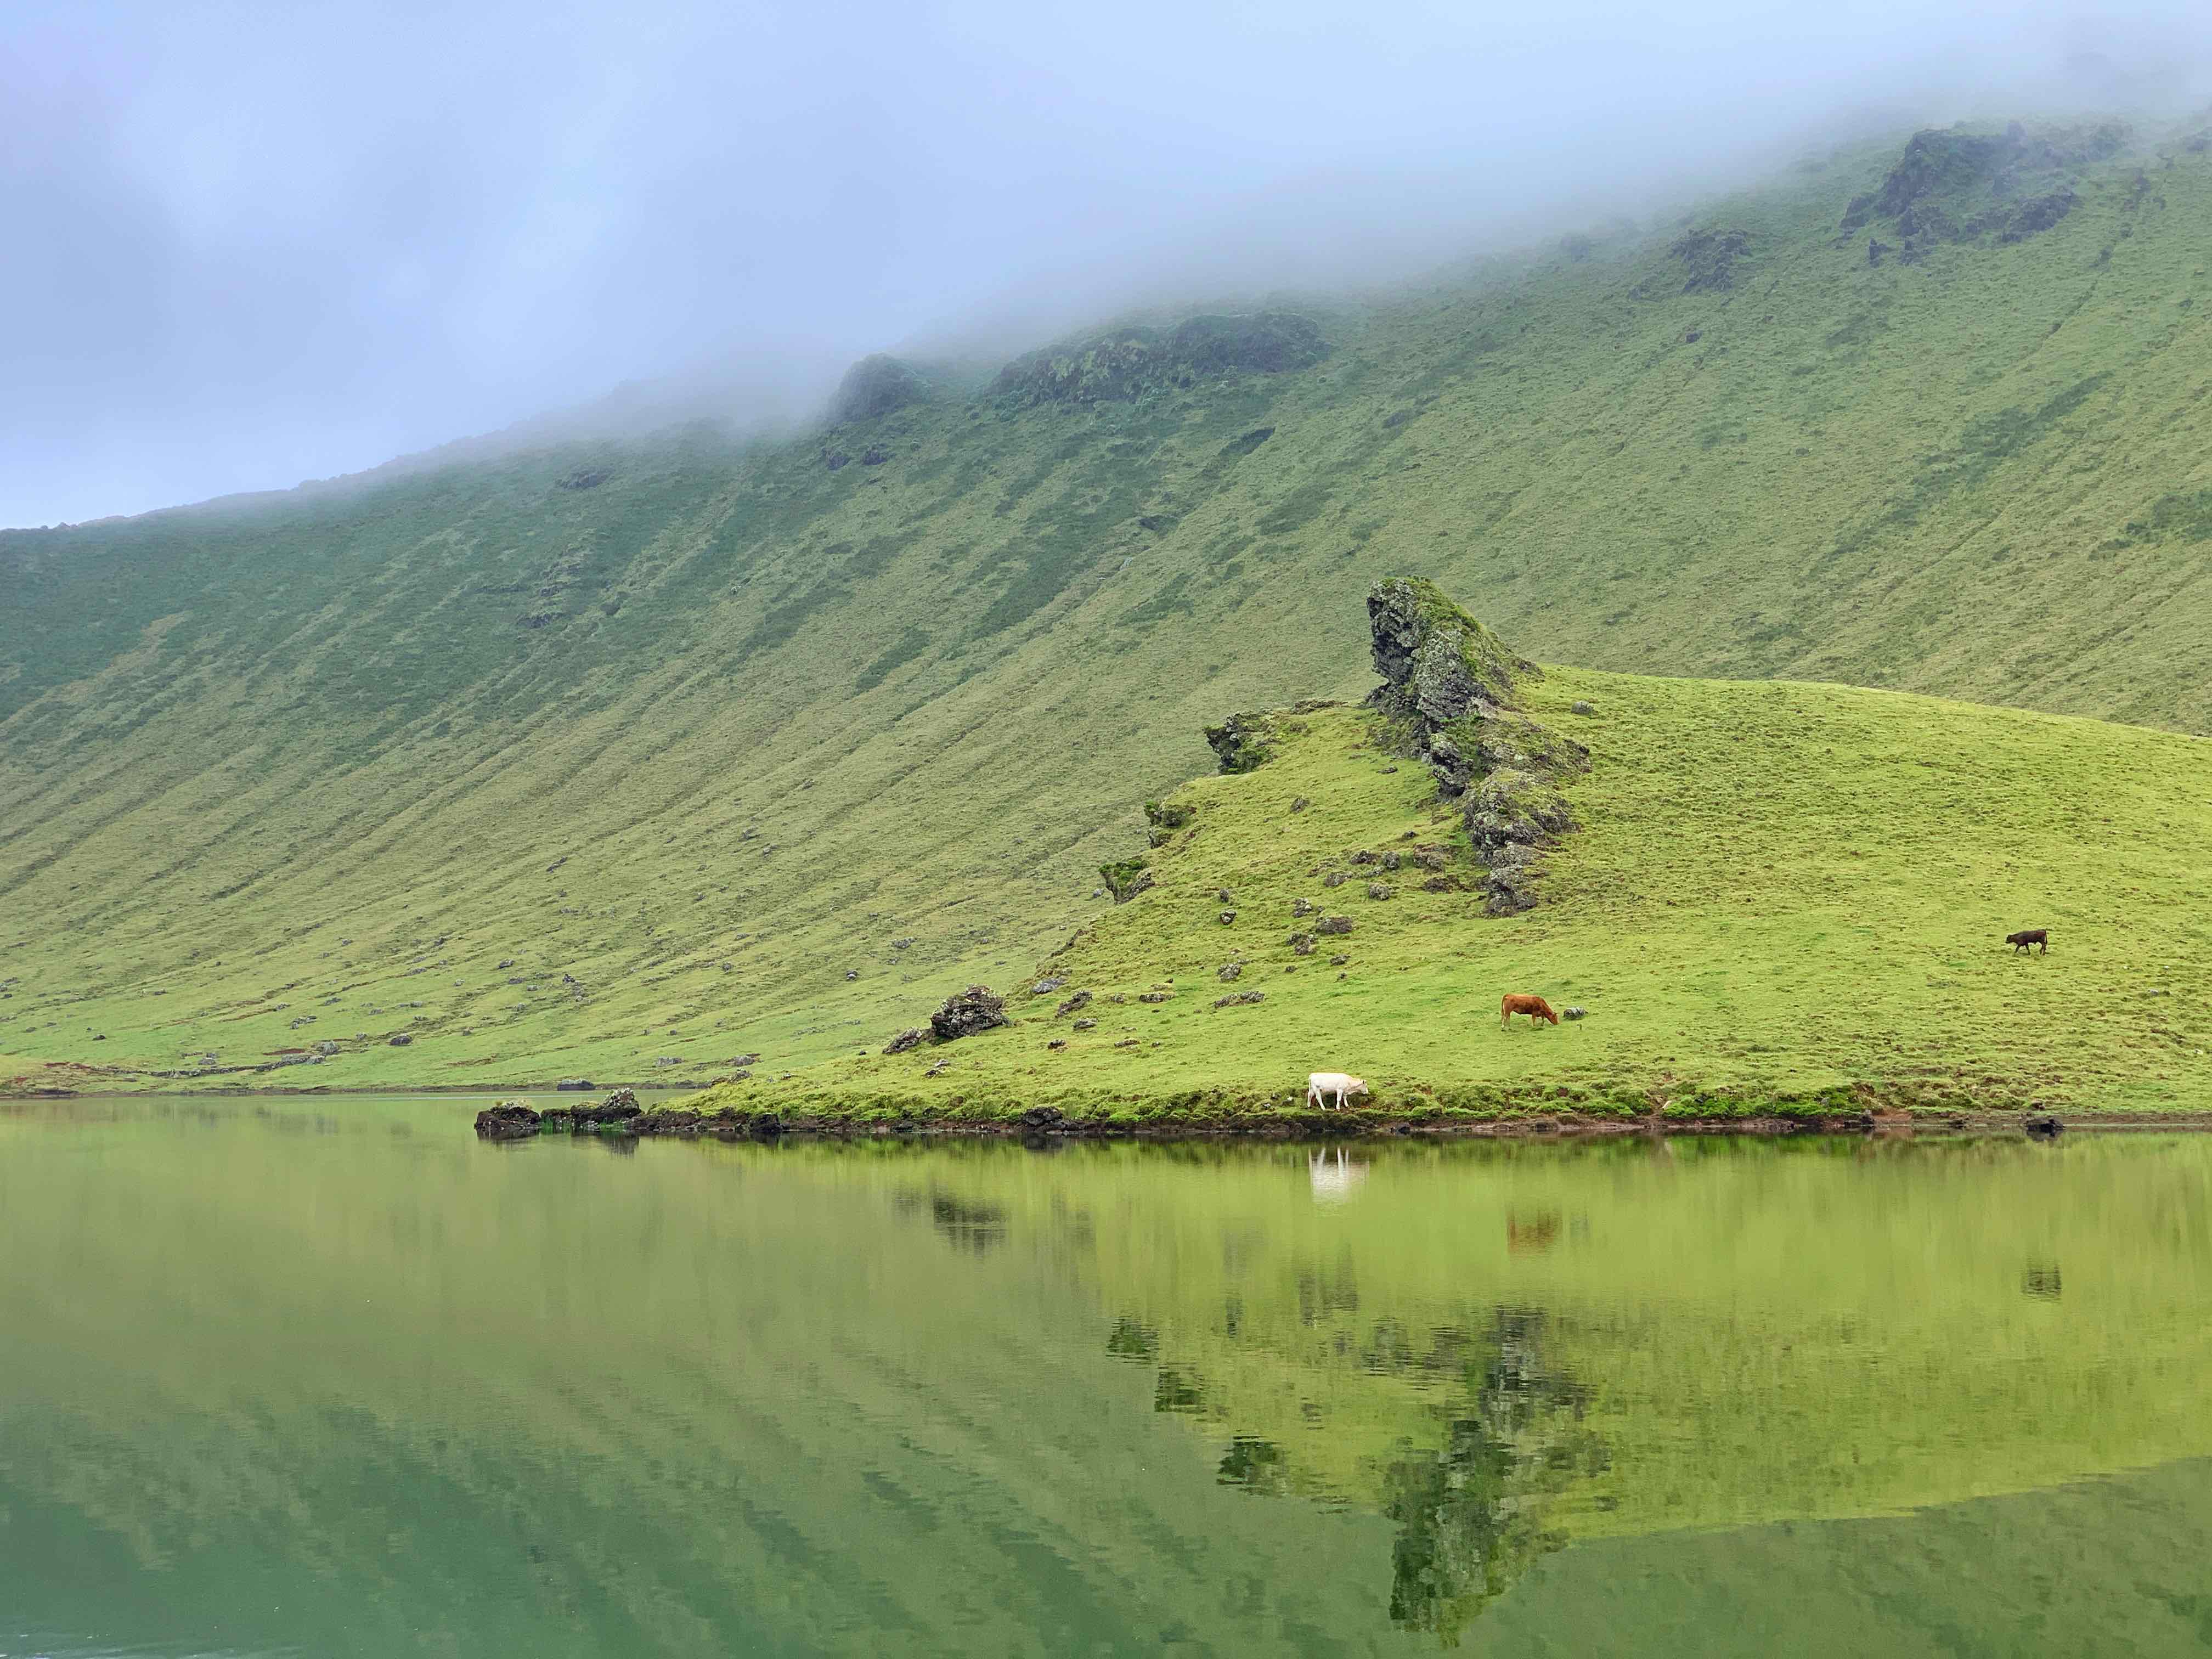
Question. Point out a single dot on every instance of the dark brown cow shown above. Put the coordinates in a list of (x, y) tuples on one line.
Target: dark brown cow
[(2028, 936)]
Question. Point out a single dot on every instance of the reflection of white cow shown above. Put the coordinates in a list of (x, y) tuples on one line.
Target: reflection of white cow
[(1334, 1182), (1338, 1084)]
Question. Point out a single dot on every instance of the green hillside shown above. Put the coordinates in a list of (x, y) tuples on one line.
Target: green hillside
[(1784, 896), (584, 759)]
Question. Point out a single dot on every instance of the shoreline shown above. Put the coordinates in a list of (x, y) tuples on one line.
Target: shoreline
[(575, 1113), (1047, 1125)]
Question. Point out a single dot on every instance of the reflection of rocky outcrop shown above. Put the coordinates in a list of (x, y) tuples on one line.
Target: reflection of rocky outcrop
[(1254, 1464), (1470, 1514), (964, 1223)]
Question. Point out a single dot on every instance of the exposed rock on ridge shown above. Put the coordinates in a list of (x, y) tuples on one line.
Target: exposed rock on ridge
[(1954, 186), (1128, 363), (876, 386), (1448, 683)]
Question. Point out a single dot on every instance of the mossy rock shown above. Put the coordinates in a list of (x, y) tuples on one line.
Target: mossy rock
[(1126, 878), (1438, 663), (1513, 807), (1244, 743)]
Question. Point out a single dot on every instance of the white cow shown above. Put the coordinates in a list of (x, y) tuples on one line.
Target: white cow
[(1340, 1084)]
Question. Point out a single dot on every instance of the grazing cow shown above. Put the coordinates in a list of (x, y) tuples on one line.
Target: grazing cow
[(1535, 1007), (1340, 1084), (2028, 936)]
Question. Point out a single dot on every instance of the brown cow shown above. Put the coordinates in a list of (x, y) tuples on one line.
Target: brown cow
[(2028, 936), (1535, 1007)]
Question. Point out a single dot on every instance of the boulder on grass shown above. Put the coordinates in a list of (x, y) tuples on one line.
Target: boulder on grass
[(978, 1008)]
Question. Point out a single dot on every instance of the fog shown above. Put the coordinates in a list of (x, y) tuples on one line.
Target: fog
[(250, 245)]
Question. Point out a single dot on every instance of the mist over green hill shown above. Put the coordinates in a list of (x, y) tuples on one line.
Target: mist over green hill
[(605, 754)]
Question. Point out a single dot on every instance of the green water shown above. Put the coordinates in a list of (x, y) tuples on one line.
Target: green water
[(332, 1378)]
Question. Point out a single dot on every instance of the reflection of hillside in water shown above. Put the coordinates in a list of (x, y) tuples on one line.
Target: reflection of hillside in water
[(375, 1387), (1500, 1349), (889, 1399), (1470, 1511)]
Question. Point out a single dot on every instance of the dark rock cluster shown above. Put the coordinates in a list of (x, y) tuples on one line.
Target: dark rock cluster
[(1955, 186), (1712, 259), (1126, 878), (978, 1008), (1137, 361), (876, 386), (1242, 742), (1449, 685), (508, 1121), (514, 1120)]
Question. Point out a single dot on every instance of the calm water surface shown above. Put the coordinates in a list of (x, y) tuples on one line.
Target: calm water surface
[(332, 1378)]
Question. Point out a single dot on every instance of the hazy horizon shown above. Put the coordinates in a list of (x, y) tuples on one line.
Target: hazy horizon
[(254, 248)]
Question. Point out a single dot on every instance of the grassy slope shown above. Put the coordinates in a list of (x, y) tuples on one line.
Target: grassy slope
[(1784, 890), (301, 756)]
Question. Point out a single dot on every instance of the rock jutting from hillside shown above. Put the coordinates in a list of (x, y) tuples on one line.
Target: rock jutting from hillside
[(1710, 257), (1447, 688), (1124, 364), (876, 386), (1448, 699), (1955, 186)]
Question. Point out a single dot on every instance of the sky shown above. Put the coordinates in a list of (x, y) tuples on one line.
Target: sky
[(249, 245)]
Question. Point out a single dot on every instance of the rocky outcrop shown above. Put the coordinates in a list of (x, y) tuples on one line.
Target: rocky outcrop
[(1437, 662), (1449, 686), (1951, 185), (1123, 364), (1712, 259), (978, 1008), (873, 386), (619, 1106), (1126, 878), (1243, 743), (511, 1120), (912, 1037), (1164, 819)]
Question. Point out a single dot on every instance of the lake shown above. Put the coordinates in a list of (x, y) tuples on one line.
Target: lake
[(331, 1377)]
